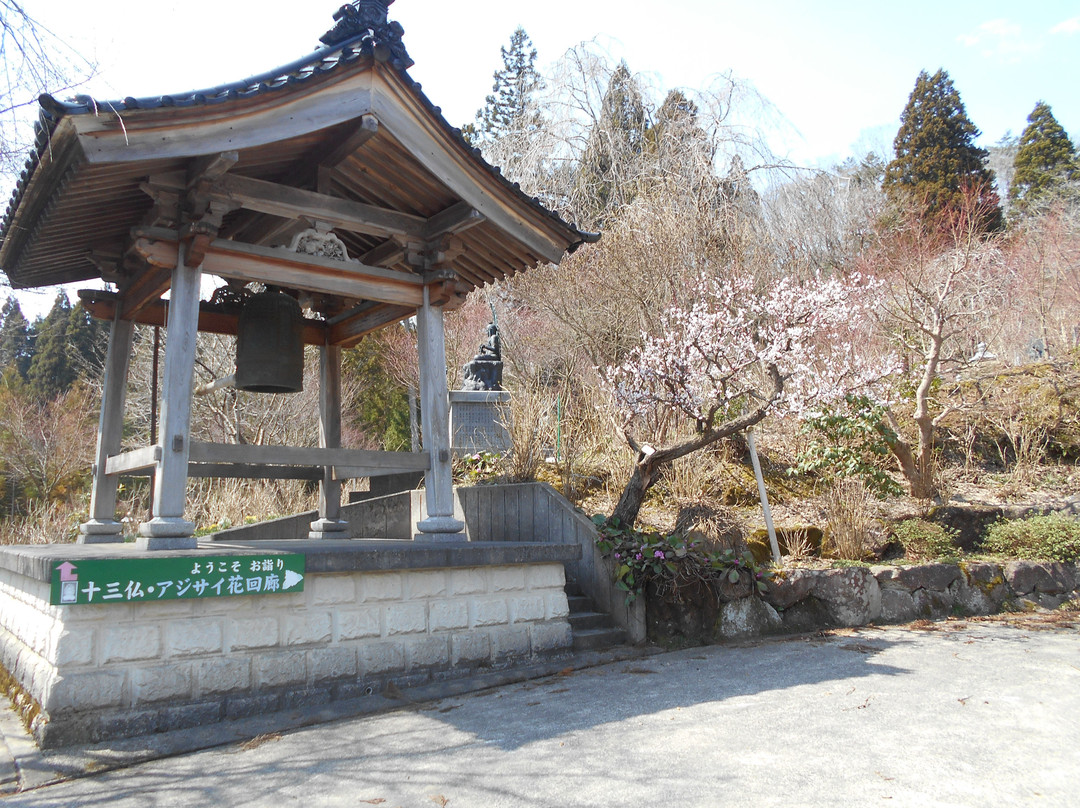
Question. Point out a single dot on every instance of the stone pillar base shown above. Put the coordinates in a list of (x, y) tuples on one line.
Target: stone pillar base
[(100, 531), (166, 533), (436, 538), (441, 524), (330, 529), (166, 543)]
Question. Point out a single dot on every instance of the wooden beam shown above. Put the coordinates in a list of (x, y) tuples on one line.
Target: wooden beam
[(270, 118), (455, 219), (292, 203), (279, 267), (137, 459), (389, 252), (145, 289), (255, 471), (364, 131), (349, 331), (211, 167), (266, 230), (307, 456), (102, 305)]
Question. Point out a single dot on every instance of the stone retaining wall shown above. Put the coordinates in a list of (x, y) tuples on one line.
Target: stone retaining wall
[(807, 600), (90, 672)]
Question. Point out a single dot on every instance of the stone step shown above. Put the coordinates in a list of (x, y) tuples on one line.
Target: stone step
[(591, 639), (579, 603), (584, 620), (572, 587)]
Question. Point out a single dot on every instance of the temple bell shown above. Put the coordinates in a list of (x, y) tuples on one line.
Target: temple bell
[(269, 344)]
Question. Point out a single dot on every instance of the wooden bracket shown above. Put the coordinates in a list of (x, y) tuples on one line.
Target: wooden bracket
[(202, 175)]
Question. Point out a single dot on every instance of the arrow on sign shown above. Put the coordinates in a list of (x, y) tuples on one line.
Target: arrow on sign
[(65, 571), (291, 579)]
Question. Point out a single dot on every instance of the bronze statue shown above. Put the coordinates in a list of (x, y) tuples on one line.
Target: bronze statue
[(484, 371)]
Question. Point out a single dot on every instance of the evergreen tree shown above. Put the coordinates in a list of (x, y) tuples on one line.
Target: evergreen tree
[(87, 340), (1045, 160), (610, 170), (14, 339), (382, 413), (679, 147), (51, 372), (937, 164), (509, 109)]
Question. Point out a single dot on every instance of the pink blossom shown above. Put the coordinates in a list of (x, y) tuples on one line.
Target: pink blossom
[(711, 355)]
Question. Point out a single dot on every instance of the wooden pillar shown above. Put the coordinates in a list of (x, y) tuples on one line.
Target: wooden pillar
[(168, 530), (102, 526), (439, 522), (329, 525)]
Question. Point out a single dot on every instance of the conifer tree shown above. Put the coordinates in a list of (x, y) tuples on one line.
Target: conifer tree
[(14, 339), (87, 338), (509, 109), (937, 165), (51, 372), (610, 170), (1045, 160)]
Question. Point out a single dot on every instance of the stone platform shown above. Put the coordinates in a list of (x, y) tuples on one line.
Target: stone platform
[(370, 613)]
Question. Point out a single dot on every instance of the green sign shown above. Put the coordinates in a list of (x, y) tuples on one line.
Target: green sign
[(138, 580)]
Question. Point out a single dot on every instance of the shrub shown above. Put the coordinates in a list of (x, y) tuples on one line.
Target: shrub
[(924, 540), (848, 520), (1054, 538), (850, 440), (670, 560)]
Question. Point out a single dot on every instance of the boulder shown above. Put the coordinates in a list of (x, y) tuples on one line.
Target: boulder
[(982, 590), (924, 576), (809, 614), (969, 521), (897, 606), (788, 588), (931, 604), (971, 600), (1047, 578), (1039, 601), (851, 596), (748, 617), (728, 591)]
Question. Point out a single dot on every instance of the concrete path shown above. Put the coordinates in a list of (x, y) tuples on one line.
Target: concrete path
[(972, 713)]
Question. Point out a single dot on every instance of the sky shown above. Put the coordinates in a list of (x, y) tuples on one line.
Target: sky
[(839, 71)]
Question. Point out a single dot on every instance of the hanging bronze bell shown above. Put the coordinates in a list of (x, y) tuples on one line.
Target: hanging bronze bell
[(269, 345)]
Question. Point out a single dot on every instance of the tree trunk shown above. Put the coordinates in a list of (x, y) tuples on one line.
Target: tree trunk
[(641, 480), (651, 461)]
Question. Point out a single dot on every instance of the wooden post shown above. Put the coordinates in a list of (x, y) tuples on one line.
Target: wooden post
[(765, 509), (168, 530), (329, 525), (102, 526), (439, 523)]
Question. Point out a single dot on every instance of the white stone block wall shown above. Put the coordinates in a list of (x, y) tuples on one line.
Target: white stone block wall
[(101, 671)]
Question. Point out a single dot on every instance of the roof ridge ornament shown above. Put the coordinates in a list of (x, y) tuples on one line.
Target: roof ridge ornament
[(368, 20)]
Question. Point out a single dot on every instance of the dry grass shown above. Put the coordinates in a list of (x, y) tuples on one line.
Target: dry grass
[(720, 527), (799, 546), (44, 523), (848, 520), (529, 422), (238, 502)]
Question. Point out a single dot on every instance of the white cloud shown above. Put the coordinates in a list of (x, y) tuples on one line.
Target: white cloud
[(1069, 26), (1001, 39)]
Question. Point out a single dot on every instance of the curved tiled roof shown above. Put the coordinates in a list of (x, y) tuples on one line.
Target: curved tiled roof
[(362, 30)]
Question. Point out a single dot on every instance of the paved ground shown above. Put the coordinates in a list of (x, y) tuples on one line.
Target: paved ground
[(960, 713)]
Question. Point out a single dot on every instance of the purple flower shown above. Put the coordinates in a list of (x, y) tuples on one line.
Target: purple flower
[(658, 554), (637, 557), (618, 556)]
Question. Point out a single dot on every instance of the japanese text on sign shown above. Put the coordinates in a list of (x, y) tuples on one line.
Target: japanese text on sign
[(136, 580)]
